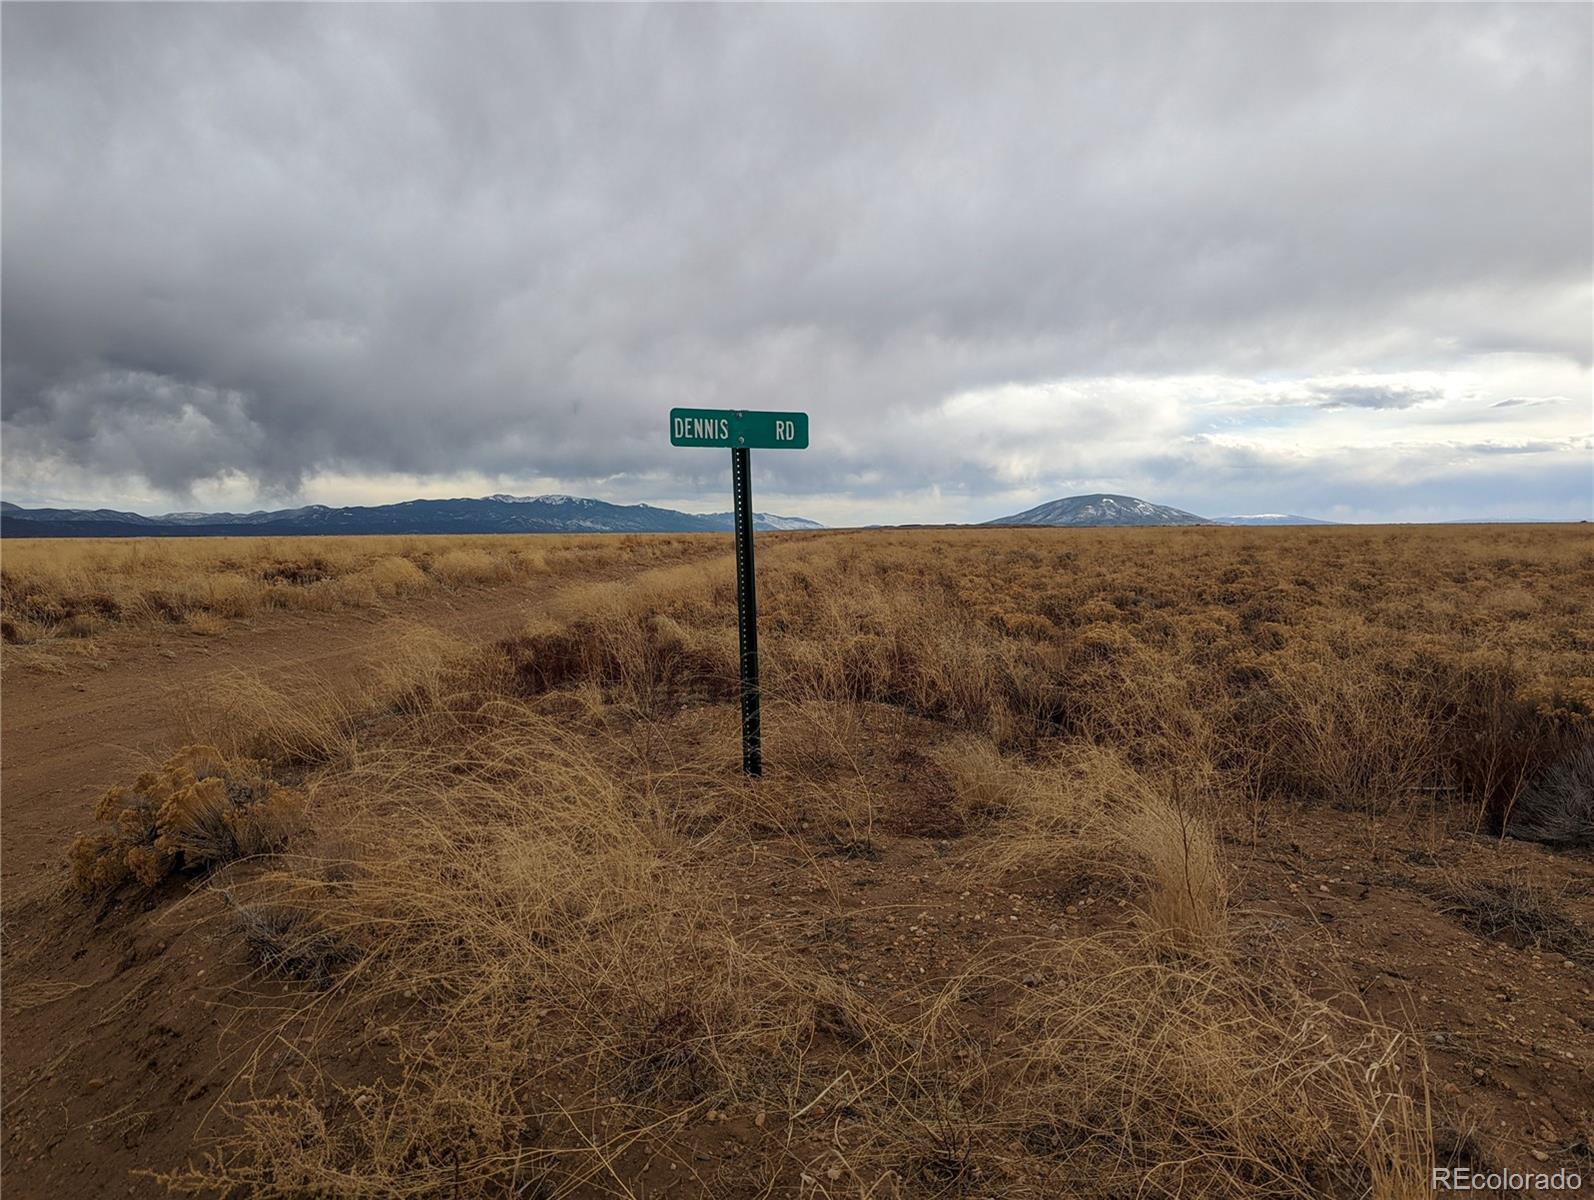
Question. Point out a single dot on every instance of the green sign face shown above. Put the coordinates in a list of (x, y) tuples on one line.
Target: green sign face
[(738, 428)]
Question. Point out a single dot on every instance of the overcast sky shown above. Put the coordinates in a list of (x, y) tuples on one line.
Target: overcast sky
[(1329, 260)]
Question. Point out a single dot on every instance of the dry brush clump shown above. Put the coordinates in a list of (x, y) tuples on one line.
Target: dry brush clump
[(200, 809), (1518, 911), (1194, 1078), (295, 721), (1085, 812), (1558, 807)]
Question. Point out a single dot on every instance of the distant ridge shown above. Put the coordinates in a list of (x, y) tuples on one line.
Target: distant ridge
[(1270, 519), (1101, 508), (487, 514)]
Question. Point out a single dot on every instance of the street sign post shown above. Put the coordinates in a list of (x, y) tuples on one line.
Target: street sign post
[(743, 431)]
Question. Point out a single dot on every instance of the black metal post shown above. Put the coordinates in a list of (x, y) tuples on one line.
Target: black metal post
[(747, 610)]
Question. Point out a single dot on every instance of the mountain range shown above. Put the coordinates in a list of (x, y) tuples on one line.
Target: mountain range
[(543, 514), (487, 514)]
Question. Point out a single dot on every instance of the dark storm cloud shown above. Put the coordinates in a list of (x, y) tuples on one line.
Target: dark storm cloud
[(264, 242)]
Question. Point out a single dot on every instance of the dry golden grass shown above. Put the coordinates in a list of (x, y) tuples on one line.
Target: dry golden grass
[(292, 722), (1345, 665), (524, 860), (52, 588), (561, 969)]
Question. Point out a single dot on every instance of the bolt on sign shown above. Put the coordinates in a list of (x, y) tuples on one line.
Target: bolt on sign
[(742, 431)]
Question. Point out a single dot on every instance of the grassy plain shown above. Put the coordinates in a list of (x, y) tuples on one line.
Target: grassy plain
[(53, 589), (1089, 862)]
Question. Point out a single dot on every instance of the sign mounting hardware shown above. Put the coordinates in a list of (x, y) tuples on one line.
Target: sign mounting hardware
[(741, 431)]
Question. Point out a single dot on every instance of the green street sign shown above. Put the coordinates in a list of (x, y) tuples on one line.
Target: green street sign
[(738, 429), (741, 432)]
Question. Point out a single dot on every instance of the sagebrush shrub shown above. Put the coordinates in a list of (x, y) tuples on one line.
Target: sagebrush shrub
[(199, 809)]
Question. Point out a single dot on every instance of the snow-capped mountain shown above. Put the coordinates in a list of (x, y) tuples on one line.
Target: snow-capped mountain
[(1101, 508), (488, 514), (1270, 519), (727, 520)]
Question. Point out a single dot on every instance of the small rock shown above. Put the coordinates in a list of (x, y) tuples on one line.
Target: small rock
[(759, 1120), (1540, 1156)]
